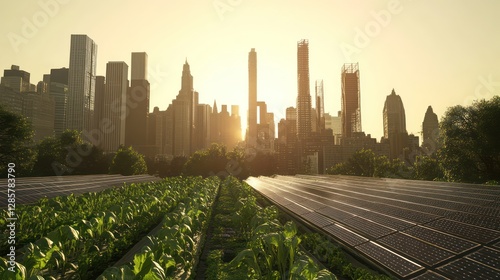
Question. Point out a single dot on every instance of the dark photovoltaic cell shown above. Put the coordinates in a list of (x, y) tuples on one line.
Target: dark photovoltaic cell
[(466, 231), (335, 213), (446, 241), (388, 221), (487, 256), (490, 222), (367, 227), (396, 263), (419, 250), (468, 269), (345, 235), (317, 219), (298, 209)]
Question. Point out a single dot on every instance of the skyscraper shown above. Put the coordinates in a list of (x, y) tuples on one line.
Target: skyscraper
[(81, 83), (320, 106), (58, 89), (183, 113), (430, 130), (304, 96), (395, 124), (351, 109), (136, 123), (100, 91), (394, 115), (252, 98), (115, 105), (16, 79)]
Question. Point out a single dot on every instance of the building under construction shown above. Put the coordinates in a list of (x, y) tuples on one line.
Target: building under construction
[(351, 109)]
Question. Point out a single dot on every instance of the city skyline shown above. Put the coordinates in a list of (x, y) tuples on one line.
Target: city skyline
[(407, 51)]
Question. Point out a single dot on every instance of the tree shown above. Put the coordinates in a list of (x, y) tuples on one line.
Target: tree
[(470, 142), (68, 154), (366, 163), (427, 168), (211, 161), (128, 162), (16, 141)]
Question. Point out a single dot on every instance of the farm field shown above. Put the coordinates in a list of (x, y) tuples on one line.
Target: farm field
[(281, 227)]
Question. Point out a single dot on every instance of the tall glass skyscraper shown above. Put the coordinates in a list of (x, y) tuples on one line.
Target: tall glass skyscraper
[(252, 99), (115, 105), (81, 83), (136, 130), (304, 95)]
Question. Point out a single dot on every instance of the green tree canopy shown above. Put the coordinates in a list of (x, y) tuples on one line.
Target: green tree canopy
[(427, 168), (128, 162), (366, 163), (16, 141), (470, 139), (68, 154)]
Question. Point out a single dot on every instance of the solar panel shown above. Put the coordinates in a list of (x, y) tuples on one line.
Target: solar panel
[(487, 256), (466, 231), (443, 240), (345, 235), (317, 219), (396, 263), (334, 213), (416, 249), (367, 228), (468, 269), (406, 227)]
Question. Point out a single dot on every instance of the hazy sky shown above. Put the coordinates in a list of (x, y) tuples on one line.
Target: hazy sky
[(438, 53)]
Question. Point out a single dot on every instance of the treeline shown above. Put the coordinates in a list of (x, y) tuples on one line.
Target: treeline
[(218, 161), (467, 150), (67, 154)]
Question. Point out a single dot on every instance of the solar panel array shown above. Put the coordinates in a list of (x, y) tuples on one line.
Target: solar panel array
[(30, 189), (410, 229)]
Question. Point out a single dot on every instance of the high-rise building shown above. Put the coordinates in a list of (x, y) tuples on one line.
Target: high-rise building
[(100, 91), (351, 109), (202, 124), (304, 96), (251, 136), (430, 131), (214, 125), (16, 79), (115, 105), (58, 89), (183, 115), (394, 115), (320, 106), (395, 124), (81, 83), (37, 108), (265, 129), (136, 123)]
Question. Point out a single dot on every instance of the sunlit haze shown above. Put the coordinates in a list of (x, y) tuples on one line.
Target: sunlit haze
[(438, 53)]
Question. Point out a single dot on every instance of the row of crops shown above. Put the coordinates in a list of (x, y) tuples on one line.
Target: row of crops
[(249, 242), (77, 237), (203, 229)]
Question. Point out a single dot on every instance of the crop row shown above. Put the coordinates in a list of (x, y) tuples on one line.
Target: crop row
[(84, 247), (271, 251), (36, 220), (173, 252)]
